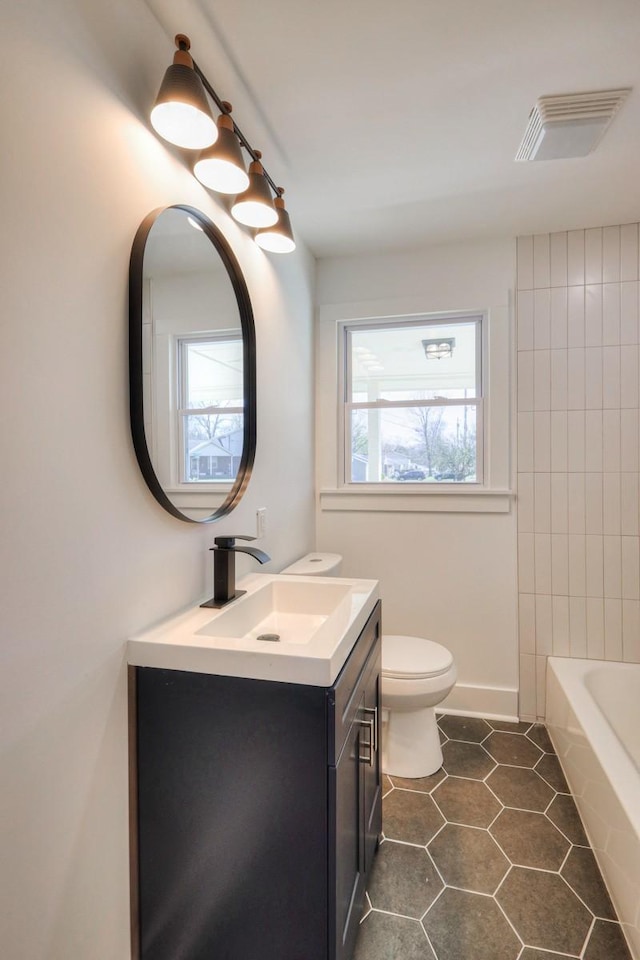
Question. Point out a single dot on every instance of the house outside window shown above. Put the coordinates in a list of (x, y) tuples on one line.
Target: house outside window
[(210, 407), (413, 401)]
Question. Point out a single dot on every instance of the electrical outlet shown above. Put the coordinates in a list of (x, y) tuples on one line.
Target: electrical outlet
[(261, 522)]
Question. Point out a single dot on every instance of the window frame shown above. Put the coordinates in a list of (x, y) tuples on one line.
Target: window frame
[(345, 405)]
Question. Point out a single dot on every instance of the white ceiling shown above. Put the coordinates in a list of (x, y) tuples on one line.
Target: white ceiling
[(393, 125)]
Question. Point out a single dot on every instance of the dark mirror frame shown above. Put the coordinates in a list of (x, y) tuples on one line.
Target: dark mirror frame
[(136, 286)]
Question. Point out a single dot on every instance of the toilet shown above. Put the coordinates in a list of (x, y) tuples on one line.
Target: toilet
[(417, 674)]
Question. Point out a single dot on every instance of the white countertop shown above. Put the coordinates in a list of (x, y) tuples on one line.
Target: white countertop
[(189, 642)]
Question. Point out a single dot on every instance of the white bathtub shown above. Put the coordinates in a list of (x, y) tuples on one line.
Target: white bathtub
[(593, 715)]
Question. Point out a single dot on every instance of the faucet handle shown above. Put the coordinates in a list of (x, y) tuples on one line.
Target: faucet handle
[(228, 543)]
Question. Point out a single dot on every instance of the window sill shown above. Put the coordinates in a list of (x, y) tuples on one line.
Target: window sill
[(201, 490), (416, 500)]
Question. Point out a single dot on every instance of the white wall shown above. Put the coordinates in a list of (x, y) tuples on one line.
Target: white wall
[(578, 450), (87, 556), (447, 576)]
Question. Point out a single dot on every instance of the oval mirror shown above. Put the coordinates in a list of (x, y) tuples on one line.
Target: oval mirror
[(192, 365)]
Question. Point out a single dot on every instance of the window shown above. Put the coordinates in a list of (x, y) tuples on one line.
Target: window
[(413, 401), (210, 408)]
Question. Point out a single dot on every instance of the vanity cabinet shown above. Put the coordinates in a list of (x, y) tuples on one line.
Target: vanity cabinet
[(256, 811)]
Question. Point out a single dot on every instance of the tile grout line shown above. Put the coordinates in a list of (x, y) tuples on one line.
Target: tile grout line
[(588, 937), (433, 949)]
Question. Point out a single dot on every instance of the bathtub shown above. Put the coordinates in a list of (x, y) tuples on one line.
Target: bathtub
[(593, 715)]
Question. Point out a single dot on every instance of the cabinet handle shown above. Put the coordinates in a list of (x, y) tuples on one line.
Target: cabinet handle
[(374, 720), (369, 758)]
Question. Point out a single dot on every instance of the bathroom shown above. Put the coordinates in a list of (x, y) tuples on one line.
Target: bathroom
[(89, 557)]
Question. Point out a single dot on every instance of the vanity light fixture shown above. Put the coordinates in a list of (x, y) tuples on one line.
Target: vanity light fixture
[(182, 115), (279, 237), (438, 349)]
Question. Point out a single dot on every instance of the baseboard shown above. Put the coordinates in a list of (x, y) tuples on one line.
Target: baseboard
[(494, 703)]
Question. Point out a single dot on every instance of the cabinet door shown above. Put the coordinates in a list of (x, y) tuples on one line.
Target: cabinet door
[(346, 846), (231, 818), (372, 772)]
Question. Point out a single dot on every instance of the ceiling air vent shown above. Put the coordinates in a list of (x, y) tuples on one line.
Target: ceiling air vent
[(569, 125)]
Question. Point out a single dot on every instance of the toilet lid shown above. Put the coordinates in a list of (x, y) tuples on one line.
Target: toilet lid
[(413, 657)]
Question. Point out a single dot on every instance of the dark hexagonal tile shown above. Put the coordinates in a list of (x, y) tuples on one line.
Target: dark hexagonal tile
[(544, 910), (468, 858), (462, 925), (530, 840), (549, 768), (538, 733), (512, 749), (467, 802), (404, 880), (520, 787), (564, 814), (387, 785), (410, 817), (520, 726), (383, 936), (472, 729), (466, 760), (422, 784), (607, 942), (581, 872)]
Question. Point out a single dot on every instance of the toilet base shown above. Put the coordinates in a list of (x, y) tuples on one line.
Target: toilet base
[(411, 744)]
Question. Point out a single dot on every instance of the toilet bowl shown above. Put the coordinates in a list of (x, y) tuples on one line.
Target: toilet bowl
[(417, 674)]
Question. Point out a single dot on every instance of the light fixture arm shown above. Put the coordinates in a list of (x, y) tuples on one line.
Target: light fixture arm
[(223, 107)]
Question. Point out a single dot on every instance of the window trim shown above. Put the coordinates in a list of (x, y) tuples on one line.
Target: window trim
[(500, 447), (345, 406)]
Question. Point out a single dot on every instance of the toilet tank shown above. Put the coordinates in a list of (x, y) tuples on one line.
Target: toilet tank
[(315, 565)]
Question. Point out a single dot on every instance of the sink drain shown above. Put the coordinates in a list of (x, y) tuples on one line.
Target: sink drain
[(272, 637)]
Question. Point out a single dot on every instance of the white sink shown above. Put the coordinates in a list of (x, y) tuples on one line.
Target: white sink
[(316, 623), (289, 610)]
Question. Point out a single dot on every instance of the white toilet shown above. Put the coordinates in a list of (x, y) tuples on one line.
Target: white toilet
[(417, 674)]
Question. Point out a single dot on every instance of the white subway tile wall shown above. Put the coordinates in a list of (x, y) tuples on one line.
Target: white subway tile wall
[(578, 331)]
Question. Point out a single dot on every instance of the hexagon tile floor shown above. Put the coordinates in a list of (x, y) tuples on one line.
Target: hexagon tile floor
[(487, 859)]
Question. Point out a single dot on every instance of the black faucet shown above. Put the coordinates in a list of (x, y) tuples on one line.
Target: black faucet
[(224, 569)]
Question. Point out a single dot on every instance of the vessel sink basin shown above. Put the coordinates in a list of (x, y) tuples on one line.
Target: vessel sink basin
[(285, 628)]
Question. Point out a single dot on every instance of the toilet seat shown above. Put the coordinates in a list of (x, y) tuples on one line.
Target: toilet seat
[(413, 658)]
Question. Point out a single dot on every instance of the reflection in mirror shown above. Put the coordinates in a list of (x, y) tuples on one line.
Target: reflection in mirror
[(210, 407), (194, 421)]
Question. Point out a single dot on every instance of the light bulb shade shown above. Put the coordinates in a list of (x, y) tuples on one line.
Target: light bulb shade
[(221, 166), (279, 238), (254, 206), (181, 113)]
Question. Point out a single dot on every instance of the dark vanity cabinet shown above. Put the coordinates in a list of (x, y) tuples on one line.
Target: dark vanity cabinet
[(256, 811)]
